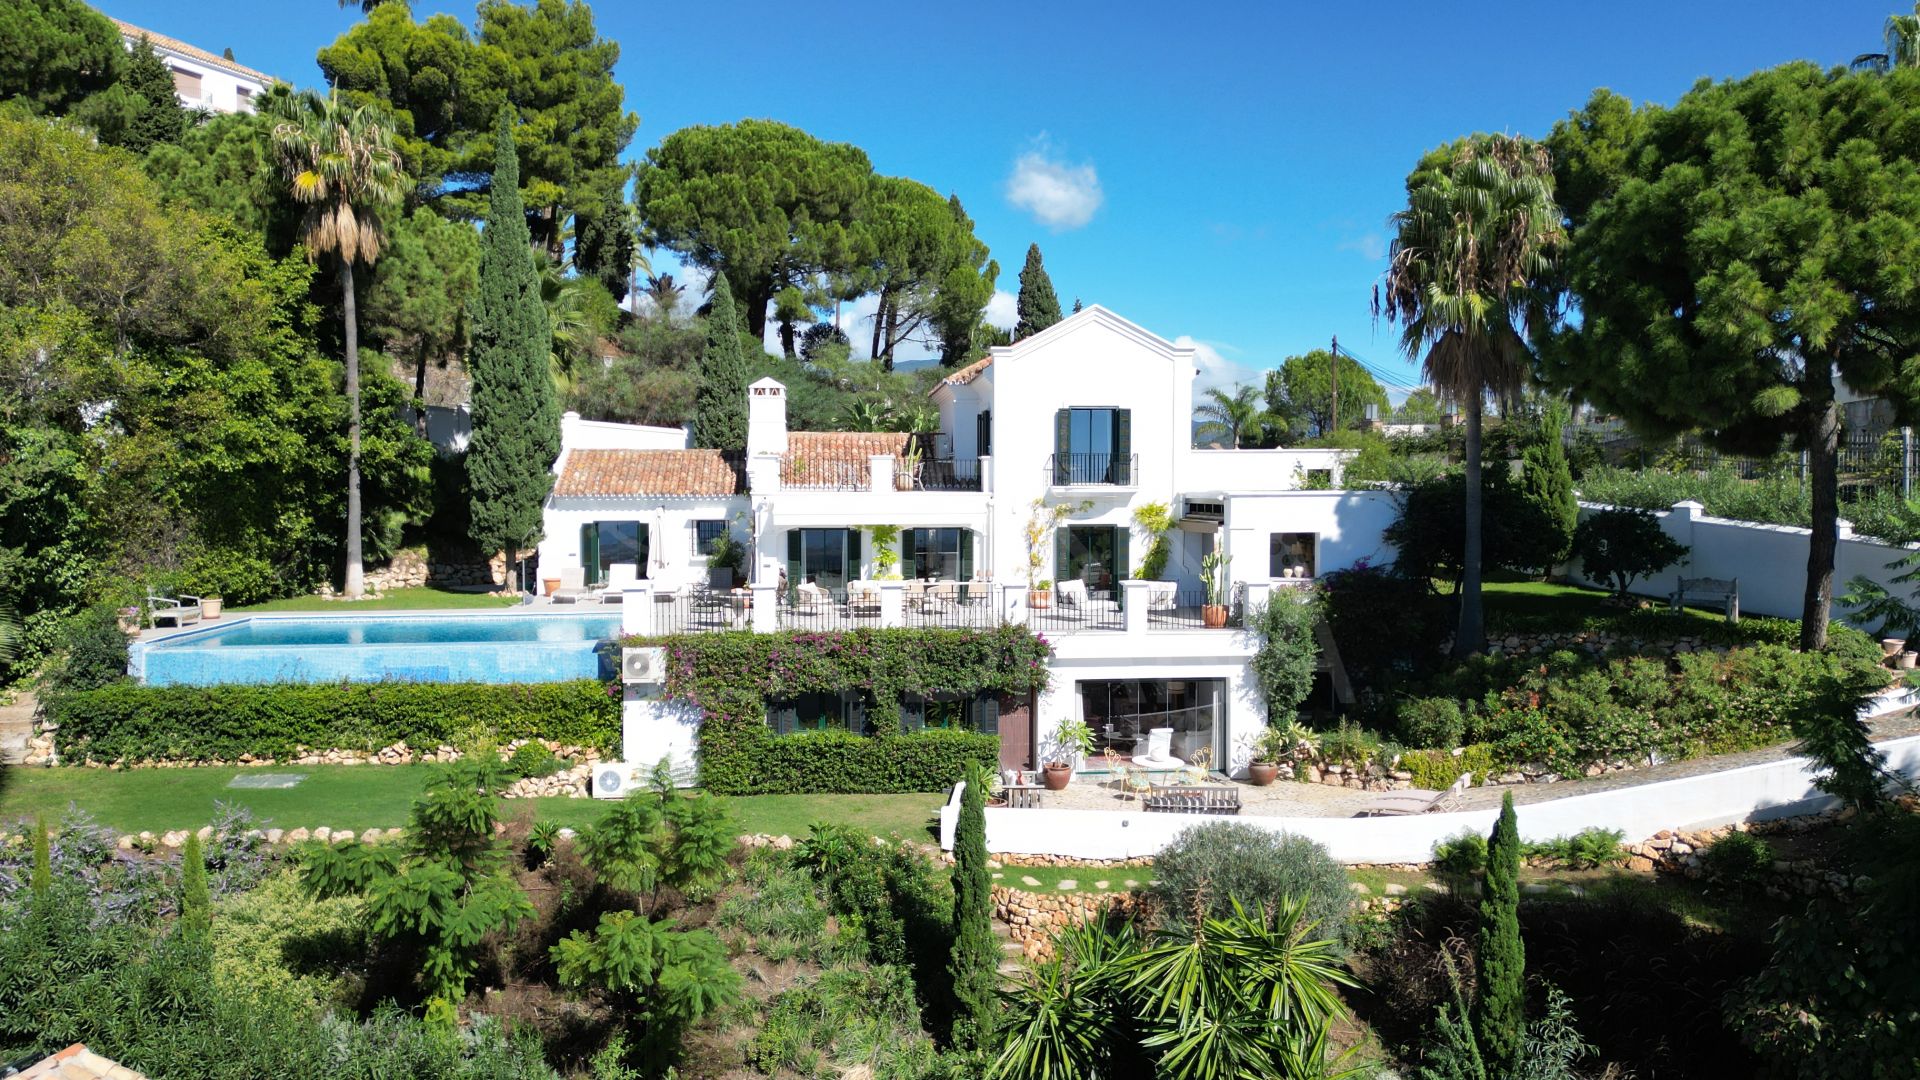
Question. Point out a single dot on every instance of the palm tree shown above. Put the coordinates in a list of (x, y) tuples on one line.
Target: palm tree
[(574, 334), (341, 165), (1472, 250), (1235, 418), (1902, 37)]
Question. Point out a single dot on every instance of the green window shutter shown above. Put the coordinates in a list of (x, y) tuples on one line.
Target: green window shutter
[(1122, 446), (793, 562), (1062, 554), (986, 712), (853, 554), (1122, 564), (909, 548), (983, 434), (913, 714), (642, 541), (853, 710), (1062, 444), (590, 553), (966, 554), (783, 718)]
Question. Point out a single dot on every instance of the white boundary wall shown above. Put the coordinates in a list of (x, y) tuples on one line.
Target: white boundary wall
[(1769, 560), (1751, 793)]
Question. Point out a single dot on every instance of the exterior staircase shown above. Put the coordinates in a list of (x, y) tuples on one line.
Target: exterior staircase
[(16, 729)]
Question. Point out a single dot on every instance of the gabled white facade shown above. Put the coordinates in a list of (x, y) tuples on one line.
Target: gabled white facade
[(1093, 414), (202, 79)]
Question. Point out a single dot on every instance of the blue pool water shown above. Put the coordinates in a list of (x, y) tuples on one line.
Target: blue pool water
[(379, 648)]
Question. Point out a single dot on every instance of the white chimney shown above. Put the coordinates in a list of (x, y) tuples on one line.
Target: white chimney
[(766, 418)]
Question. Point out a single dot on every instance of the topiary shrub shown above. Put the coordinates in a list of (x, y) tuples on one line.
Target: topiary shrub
[(1619, 546), (1224, 861), (1432, 722)]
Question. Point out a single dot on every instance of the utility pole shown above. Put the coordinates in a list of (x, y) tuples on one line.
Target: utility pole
[(1333, 374)]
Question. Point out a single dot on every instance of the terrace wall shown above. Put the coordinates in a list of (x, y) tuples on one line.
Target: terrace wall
[(1769, 560), (1761, 792)]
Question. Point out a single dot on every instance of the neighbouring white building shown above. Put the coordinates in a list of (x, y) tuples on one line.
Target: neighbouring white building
[(1094, 416), (204, 80)]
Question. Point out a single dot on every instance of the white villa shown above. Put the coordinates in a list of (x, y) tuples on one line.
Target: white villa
[(202, 79), (1094, 415)]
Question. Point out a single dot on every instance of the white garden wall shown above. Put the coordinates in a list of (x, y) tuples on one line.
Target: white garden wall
[(1752, 793), (1769, 560)]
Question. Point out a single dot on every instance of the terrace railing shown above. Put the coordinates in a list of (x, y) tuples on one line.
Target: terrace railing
[(947, 474), (1093, 470)]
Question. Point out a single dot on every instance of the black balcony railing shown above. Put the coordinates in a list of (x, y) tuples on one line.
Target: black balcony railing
[(1072, 470), (946, 474)]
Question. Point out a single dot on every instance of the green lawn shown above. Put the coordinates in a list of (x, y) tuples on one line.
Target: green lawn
[(392, 600), (1568, 604), (378, 796)]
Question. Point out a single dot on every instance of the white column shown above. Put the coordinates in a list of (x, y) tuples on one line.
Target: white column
[(880, 472), (893, 603), (636, 608), (766, 619), (1138, 604), (1258, 593), (1013, 604)]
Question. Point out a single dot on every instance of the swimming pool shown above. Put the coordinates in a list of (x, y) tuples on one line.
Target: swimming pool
[(501, 648)]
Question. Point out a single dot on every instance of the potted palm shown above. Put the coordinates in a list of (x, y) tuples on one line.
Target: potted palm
[(1213, 572), (1072, 742), (724, 561)]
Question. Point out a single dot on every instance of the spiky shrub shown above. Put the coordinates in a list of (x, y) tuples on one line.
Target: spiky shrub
[(974, 967), (1227, 861), (1499, 1012)]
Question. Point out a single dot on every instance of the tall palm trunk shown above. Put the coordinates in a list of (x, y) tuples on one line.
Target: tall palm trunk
[(355, 583), (1470, 636)]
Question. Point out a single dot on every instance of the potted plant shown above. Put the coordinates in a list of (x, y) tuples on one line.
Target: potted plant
[(1072, 742), (1040, 594), (724, 561), (211, 607), (129, 619), (1213, 572), (1270, 748), (1042, 520)]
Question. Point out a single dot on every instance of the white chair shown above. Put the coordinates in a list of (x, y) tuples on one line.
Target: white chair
[(1160, 595), (619, 576), (1072, 592)]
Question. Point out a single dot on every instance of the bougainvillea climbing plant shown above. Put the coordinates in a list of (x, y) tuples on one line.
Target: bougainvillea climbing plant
[(731, 677)]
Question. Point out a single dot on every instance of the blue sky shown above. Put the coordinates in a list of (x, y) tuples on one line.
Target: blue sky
[(1221, 172)]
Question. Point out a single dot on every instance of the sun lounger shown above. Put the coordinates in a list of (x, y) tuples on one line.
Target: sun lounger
[(573, 586), (1400, 803), (182, 609)]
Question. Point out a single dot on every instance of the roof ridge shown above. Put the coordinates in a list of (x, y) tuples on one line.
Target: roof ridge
[(191, 51)]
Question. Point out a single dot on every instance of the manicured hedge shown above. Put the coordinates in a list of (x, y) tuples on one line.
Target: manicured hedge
[(839, 762), (731, 676), (128, 723)]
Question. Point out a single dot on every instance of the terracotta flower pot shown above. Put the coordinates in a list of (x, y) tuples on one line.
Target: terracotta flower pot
[(1039, 598), (1213, 615), (211, 607), (1263, 773), (550, 584), (1057, 775)]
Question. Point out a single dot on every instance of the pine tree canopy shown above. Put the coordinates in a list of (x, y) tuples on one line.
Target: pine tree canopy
[(516, 412)]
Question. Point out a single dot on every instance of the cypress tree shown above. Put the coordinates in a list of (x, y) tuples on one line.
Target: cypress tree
[(516, 414), (720, 405), (40, 883), (1499, 1018), (196, 902), (158, 117), (975, 966), (1039, 308), (1548, 478)]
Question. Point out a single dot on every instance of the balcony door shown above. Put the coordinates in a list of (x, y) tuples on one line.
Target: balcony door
[(1095, 554), (939, 554), (1093, 446), (603, 543)]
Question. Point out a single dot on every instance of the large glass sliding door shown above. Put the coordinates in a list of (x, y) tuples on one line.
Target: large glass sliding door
[(936, 554), (828, 558), (603, 543), (1095, 554), (1122, 712)]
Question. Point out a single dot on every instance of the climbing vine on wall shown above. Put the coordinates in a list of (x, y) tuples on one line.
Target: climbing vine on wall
[(732, 676)]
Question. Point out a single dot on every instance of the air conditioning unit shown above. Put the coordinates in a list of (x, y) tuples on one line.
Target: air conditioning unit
[(647, 665), (613, 779)]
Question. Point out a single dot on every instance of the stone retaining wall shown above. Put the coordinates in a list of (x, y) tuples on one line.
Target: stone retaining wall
[(412, 569), (1033, 918)]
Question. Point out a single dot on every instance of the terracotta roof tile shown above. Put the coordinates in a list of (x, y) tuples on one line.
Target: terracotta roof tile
[(836, 459), (175, 45), (965, 375), (633, 473)]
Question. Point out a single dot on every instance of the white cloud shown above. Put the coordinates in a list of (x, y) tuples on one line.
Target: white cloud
[(1215, 368), (1058, 195), (1370, 246), (1003, 310)]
